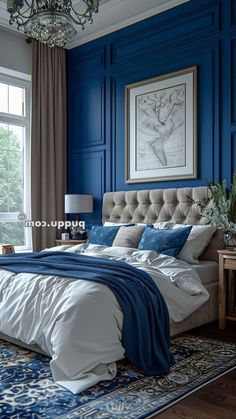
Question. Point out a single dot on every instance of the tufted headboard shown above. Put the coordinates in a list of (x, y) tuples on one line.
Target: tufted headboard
[(151, 206)]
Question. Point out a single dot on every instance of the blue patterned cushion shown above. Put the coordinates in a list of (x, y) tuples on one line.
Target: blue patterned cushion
[(103, 235), (169, 242)]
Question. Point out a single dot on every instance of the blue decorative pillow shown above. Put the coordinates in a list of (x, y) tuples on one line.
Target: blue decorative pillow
[(103, 235), (169, 242)]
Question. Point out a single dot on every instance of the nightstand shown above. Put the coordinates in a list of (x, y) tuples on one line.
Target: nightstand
[(227, 279), (71, 242)]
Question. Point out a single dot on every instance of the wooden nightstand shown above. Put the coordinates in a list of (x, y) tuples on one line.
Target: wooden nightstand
[(227, 264), (71, 242)]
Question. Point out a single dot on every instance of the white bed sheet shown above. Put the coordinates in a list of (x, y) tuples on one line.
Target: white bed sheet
[(79, 323), (208, 271)]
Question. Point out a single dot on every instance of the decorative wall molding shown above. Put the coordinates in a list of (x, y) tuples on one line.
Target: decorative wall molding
[(198, 33), (190, 26), (113, 15), (94, 60), (89, 161), (233, 81), (88, 108), (233, 12)]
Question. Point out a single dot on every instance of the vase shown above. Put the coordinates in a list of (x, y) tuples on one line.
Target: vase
[(230, 240)]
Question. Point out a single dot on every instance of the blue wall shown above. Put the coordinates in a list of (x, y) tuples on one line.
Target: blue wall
[(202, 33)]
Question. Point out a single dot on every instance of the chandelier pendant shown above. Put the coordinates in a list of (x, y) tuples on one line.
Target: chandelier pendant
[(52, 22)]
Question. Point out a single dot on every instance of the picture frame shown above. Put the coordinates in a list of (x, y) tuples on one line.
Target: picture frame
[(161, 128)]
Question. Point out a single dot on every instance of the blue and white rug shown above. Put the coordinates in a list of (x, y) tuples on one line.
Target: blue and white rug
[(27, 389)]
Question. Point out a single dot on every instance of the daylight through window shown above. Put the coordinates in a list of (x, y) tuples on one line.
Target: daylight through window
[(14, 159)]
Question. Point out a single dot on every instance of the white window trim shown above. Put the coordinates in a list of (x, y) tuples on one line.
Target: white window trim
[(22, 80), (15, 74)]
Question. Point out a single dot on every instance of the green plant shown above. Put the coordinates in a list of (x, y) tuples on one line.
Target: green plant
[(220, 208)]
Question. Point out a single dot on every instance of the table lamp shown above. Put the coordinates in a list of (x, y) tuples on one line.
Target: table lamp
[(77, 204)]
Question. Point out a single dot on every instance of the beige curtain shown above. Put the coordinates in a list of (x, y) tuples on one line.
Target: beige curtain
[(48, 141)]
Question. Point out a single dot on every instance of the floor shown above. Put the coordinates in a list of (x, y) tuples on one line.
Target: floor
[(216, 400)]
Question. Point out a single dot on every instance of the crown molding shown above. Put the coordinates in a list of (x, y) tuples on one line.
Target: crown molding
[(112, 16), (111, 12)]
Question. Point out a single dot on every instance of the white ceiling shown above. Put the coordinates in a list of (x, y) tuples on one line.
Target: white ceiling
[(112, 15)]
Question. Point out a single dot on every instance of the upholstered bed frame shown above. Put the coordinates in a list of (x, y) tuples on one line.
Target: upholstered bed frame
[(151, 206)]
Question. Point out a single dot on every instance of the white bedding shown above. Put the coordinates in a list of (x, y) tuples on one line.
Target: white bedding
[(208, 271), (79, 323)]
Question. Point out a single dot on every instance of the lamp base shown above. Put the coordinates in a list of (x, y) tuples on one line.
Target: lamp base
[(79, 235)]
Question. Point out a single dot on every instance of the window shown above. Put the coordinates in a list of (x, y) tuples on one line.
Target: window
[(14, 158)]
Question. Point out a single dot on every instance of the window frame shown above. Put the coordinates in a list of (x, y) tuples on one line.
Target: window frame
[(24, 81)]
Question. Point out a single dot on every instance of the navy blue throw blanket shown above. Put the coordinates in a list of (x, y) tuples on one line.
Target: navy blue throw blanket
[(145, 334)]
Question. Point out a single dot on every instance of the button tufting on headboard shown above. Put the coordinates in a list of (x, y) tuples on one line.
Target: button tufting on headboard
[(154, 205), (157, 205)]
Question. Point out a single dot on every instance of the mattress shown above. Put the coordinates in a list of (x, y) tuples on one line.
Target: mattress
[(208, 271)]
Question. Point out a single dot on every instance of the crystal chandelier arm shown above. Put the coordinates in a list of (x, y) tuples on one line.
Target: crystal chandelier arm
[(14, 6), (30, 6), (26, 14), (40, 5), (52, 22), (91, 8), (20, 19), (92, 4)]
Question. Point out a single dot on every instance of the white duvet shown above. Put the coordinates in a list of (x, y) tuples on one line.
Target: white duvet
[(79, 323)]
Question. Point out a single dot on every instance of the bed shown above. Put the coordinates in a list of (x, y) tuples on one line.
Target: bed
[(122, 207), (178, 204)]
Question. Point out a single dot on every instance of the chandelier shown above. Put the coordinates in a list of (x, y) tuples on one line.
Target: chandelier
[(52, 22)]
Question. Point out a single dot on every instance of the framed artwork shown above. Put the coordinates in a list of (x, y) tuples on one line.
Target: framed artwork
[(161, 125)]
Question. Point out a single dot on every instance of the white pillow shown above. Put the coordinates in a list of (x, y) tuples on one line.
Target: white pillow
[(110, 224), (128, 236), (197, 241), (161, 225), (164, 225)]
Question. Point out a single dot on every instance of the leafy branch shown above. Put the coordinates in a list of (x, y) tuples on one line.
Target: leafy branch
[(220, 208)]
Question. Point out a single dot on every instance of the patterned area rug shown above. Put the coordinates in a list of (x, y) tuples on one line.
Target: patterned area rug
[(27, 389)]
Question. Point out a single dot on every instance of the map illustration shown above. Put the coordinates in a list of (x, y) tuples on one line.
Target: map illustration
[(160, 133)]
